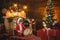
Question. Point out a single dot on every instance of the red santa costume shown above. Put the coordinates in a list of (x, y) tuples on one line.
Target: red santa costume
[(20, 27)]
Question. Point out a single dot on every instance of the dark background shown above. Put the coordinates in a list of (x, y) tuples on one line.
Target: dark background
[(36, 8)]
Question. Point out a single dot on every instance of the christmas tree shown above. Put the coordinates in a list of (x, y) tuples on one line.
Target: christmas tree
[(50, 14)]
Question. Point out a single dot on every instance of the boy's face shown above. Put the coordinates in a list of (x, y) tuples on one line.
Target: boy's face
[(20, 22)]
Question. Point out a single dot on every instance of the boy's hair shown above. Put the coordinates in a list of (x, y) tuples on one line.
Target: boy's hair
[(26, 23)]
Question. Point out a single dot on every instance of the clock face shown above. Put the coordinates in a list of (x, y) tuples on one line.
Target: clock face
[(27, 31)]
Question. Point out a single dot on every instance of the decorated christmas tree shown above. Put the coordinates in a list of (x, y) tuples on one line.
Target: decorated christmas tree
[(50, 14)]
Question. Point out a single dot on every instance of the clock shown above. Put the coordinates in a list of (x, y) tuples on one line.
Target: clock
[(27, 32)]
